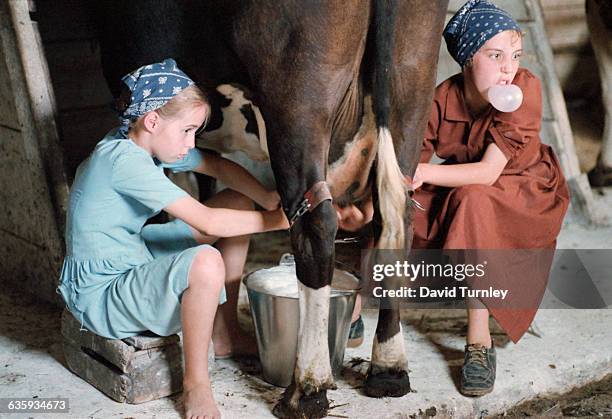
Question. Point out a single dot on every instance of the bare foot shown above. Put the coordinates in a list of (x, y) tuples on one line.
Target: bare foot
[(199, 402), (240, 344)]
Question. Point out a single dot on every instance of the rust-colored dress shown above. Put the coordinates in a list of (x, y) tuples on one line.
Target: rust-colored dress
[(523, 209)]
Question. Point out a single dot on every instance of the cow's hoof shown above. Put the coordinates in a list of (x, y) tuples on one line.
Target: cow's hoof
[(600, 176), (310, 406), (390, 383)]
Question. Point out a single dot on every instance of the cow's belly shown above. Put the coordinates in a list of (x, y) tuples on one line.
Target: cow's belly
[(243, 129)]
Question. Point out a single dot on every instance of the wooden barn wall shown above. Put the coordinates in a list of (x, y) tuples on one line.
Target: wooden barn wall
[(568, 34), (31, 249)]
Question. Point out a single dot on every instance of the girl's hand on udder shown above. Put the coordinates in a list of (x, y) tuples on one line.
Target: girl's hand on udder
[(350, 218)]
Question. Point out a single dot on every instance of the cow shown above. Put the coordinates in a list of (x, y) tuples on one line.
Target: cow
[(325, 75), (599, 20), (237, 125)]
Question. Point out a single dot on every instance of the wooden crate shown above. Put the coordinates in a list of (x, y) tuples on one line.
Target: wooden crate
[(132, 370)]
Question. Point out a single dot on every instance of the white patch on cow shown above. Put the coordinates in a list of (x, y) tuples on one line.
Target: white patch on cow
[(312, 368), (367, 123), (232, 135), (390, 354), (353, 166), (348, 147), (261, 128)]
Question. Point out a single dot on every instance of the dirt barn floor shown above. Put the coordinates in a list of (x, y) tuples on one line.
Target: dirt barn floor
[(565, 350)]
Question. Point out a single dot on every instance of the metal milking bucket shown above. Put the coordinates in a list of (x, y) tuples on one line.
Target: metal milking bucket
[(273, 297)]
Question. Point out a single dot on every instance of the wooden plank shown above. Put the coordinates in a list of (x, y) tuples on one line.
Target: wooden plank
[(571, 35), (122, 353), (580, 192), (553, 91), (154, 374), (532, 61), (547, 135), (561, 4), (568, 34), (95, 372), (565, 22), (41, 109), (115, 351), (150, 340), (8, 112)]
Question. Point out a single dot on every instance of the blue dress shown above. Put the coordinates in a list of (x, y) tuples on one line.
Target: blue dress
[(119, 277)]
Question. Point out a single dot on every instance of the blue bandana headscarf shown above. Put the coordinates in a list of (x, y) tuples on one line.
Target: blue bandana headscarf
[(473, 25), (151, 87)]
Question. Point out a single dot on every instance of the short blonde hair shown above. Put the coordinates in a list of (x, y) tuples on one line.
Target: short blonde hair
[(189, 98)]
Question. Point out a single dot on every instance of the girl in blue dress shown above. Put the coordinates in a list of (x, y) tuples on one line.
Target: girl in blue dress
[(120, 277)]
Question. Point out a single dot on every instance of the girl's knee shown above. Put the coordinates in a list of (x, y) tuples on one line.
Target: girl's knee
[(207, 268)]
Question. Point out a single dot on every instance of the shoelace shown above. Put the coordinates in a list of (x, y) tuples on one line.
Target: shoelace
[(477, 355)]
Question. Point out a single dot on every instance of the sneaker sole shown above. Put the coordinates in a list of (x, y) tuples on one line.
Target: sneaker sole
[(353, 343), (475, 391)]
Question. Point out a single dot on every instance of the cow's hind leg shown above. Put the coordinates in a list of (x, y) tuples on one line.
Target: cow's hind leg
[(388, 373), (417, 29)]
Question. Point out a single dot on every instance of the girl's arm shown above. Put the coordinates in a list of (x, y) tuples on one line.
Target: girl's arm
[(484, 172), (237, 178), (221, 222)]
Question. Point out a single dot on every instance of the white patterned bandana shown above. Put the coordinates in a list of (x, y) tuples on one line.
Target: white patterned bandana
[(474, 24), (152, 86)]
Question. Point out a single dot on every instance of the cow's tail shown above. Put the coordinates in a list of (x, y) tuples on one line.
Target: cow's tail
[(389, 178)]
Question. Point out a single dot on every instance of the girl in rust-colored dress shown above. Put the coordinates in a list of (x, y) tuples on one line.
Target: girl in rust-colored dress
[(499, 195), (499, 186)]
